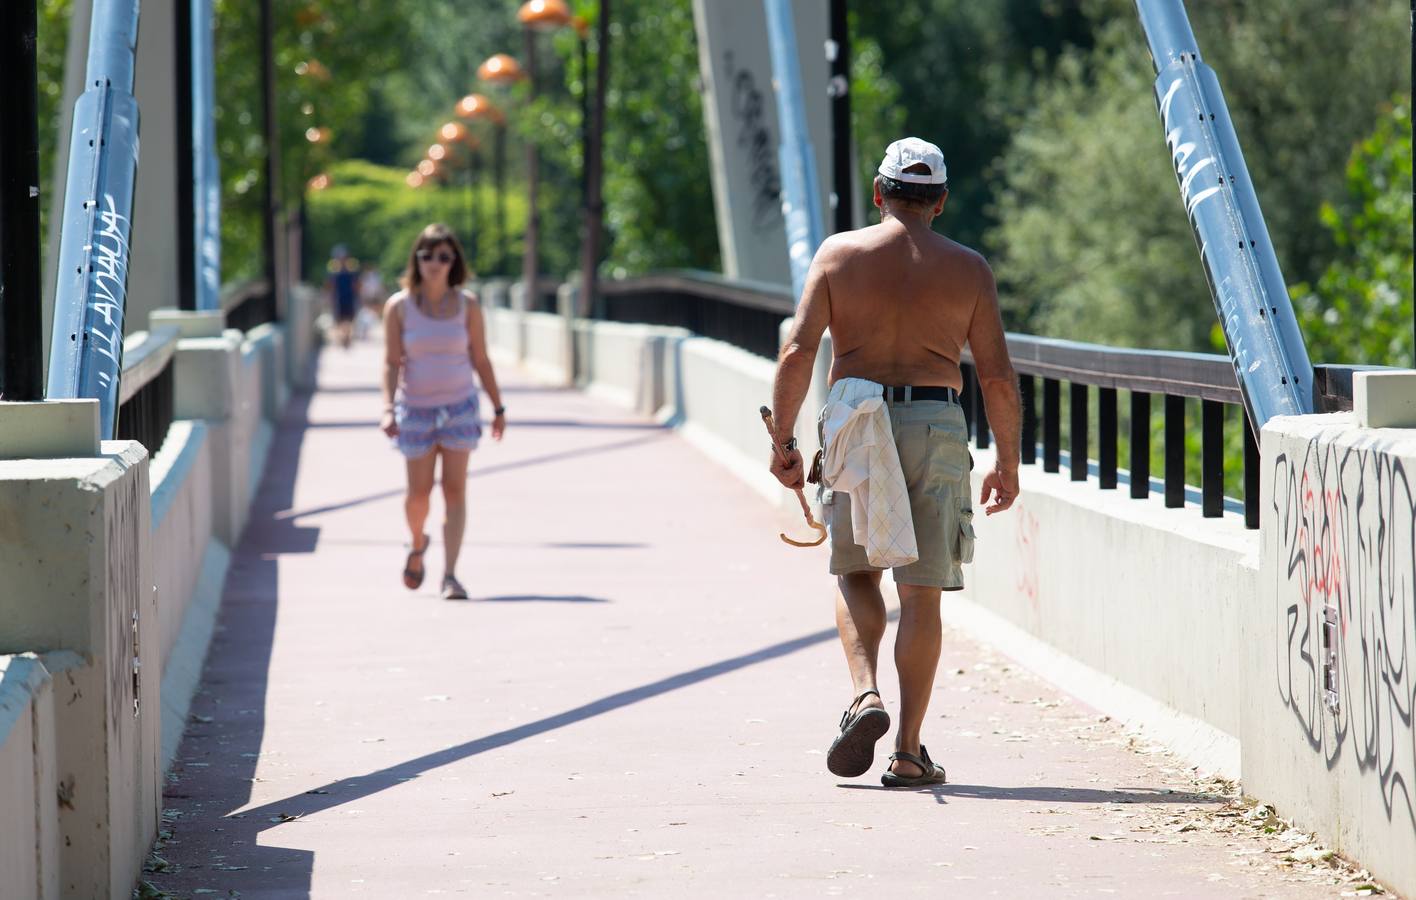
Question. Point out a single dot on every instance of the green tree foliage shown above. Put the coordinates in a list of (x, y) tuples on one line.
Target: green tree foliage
[(964, 72), (1091, 239), (371, 210), (1360, 309), (328, 55), (1092, 242), (657, 191)]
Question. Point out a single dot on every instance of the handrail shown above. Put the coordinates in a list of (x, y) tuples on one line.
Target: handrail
[(233, 295), (709, 285), (147, 353), (1207, 376)]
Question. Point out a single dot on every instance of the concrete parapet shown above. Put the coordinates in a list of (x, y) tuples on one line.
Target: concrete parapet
[(628, 364), (1328, 735), (206, 323), (1384, 399), (1149, 596), (268, 340), (49, 429), (495, 293), (29, 842), (302, 337), (543, 346), (76, 557)]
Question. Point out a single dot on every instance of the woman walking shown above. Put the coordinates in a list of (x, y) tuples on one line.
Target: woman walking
[(434, 339)]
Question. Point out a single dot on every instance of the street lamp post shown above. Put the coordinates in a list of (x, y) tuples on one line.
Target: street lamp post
[(475, 107), (535, 16)]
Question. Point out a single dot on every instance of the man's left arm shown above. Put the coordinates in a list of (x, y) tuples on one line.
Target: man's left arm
[(794, 367)]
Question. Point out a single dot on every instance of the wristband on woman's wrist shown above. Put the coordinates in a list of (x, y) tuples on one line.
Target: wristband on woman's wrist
[(499, 411)]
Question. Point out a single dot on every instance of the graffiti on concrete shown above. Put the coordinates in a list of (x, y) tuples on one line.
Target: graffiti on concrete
[(1345, 522), (750, 108), (1027, 538)]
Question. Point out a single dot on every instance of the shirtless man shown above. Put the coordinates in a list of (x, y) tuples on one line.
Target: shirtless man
[(901, 301)]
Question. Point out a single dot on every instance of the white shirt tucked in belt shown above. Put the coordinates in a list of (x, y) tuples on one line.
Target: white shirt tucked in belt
[(860, 459)]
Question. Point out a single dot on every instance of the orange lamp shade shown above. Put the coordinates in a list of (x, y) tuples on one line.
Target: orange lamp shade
[(320, 182), (427, 167), (414, 179), (500, 69), (452, 132), (437, 152), (544, 15)]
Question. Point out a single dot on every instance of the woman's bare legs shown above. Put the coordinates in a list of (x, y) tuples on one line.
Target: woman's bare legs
[(454, 490), (415, 505)]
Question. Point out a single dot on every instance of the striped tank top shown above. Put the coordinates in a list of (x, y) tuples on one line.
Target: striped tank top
[(437, 370)]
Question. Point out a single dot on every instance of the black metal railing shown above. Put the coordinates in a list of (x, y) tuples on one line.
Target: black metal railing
[(1089, 369), (146, 392), (746, 314), (749, 315), (248, 304)]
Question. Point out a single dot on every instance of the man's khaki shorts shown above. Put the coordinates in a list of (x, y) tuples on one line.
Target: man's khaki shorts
[(931, 438)]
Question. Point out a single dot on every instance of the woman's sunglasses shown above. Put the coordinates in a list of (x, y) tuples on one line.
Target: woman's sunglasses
[(430, 256)]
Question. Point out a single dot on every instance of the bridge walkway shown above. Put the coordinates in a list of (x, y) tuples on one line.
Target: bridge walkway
[(636, 702)]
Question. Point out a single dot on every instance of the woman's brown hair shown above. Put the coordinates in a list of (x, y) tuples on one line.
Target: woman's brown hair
[(429, 239)]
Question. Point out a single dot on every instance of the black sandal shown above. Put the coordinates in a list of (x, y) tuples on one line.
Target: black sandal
[(930, 773), (414, 579), (853, 751)]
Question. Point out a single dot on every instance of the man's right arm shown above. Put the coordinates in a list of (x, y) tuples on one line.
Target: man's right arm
[(999, 386)]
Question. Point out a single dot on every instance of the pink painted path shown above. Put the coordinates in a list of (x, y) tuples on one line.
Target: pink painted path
[(636, 703)]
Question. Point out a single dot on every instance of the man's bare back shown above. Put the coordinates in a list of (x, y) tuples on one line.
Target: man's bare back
[(902, 301)]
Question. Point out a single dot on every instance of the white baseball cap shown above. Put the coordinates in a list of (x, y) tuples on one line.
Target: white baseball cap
[(910, 151)]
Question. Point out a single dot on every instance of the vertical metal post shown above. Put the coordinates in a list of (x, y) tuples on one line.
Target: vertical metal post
[(1140, 444), (1027, 387), (270, 126), (207, 190), (1251, 476), (1106, 438), (1051, 425), (966, 398), (981, 435), (470, 244), (594, 167), (184, 171), (838, 53), (1174, 451), (21, 328), (1212, 458), (91, 291), (801, 206), (499, 162), (1078, 415), (530, 261)]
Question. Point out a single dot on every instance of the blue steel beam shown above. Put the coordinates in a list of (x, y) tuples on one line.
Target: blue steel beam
[(801, 205), (1270, 359), (207, 190), (86, 355)]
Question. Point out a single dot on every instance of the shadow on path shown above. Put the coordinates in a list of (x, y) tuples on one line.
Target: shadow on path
[(545, 459), (345, 790)]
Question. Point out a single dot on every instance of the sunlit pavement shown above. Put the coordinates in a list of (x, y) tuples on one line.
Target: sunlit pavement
[(636, 702)]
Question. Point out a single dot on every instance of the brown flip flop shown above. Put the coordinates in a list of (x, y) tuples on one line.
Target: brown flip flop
[(414, 579)]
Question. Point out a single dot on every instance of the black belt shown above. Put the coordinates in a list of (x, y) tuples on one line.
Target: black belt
[(896, 394)]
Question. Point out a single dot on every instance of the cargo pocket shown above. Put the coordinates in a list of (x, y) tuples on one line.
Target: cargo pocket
[(964, 549)]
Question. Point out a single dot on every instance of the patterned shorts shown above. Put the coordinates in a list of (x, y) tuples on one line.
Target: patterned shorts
[(457, 426)]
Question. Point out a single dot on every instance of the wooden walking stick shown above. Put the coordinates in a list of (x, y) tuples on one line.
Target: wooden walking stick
[(801, 498)]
